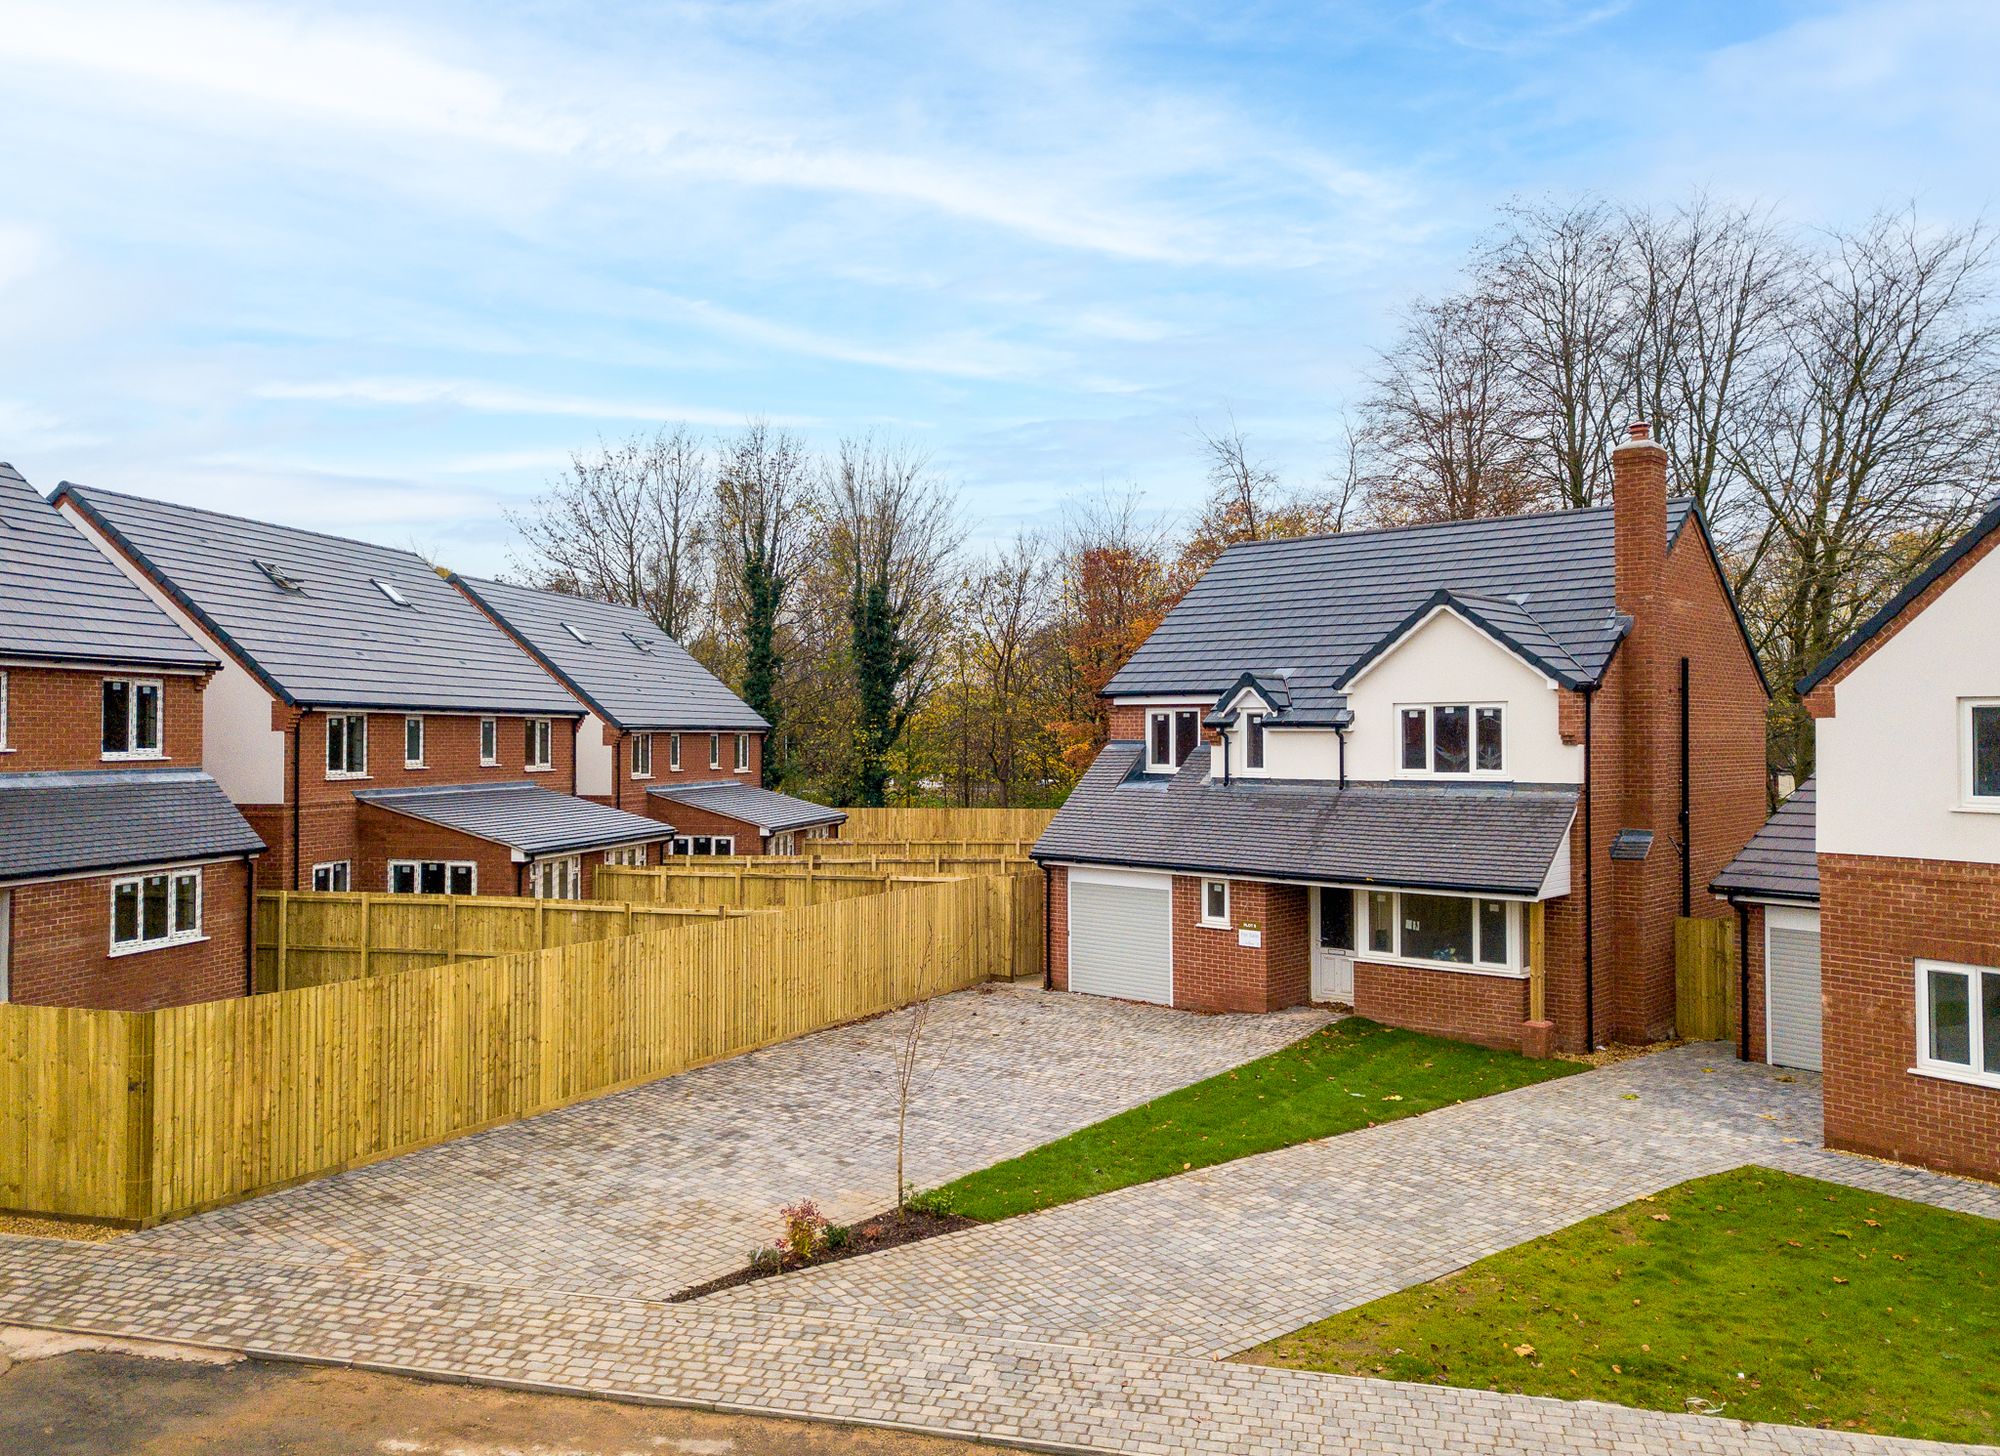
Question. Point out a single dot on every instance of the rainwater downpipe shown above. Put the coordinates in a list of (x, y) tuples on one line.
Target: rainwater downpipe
[(1589, 884), (1048, 922), (1742, 981)]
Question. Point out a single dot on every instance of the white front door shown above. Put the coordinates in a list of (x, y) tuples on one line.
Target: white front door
[(1333, 945)]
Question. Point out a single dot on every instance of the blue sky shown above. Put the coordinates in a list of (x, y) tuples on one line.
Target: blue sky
[(378, 270)]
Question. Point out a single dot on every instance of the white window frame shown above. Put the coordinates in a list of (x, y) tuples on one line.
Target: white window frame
[(718, 844), (642, 755), (1255, 731), (1430, 769), (1176, 755), (715, 750), (743, 753), (673, 753), (133, 687), (785, 841), (559, 878), (1364, 932), (330, 870), (489, 742), (416, 866), (1208, 915), (177, 933), (347, 720), (390, 590), (632, 856), (4, 746), (1970, 1072), (1968, 759), (414, 720), (538, 753)]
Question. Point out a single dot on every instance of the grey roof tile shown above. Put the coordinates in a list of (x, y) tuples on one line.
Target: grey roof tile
[(747, 804), (340, 641), (63, 600), (1500, 839), (1311, 609), (111, 819), (1781, 861), (520, 815), (631, 672)]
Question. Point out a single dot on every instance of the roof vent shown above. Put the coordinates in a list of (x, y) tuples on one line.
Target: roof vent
[(388, 589), (278, 577), (639, 642), (576, 634)]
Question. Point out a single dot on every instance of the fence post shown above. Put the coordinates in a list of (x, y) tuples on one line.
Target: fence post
[(367, 933), (284, 935), (139, 1144)]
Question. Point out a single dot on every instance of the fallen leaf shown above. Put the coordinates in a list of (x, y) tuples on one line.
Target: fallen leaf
[(1524, 1351), (1838, 1280), (1661, 1217)]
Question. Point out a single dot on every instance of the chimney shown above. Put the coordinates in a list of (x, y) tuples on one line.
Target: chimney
[(1639, 516)]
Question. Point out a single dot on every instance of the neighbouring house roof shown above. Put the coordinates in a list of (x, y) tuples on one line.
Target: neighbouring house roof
[(306, 614), (615, 659), (1894, 607), (63, 600), (1781, 861), (112, 819), (523, 816), (1314, 611), (772, 813), (1499, 838)]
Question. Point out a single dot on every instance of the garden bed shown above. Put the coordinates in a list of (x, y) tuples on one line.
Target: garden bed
[(863, 1236)]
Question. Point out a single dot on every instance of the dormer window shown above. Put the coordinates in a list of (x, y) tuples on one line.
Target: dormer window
[(1171, 735), (1253, 740), (1450, 739), (390, 590)]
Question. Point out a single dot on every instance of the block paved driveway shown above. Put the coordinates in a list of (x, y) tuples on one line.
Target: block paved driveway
[(1091, 1327)]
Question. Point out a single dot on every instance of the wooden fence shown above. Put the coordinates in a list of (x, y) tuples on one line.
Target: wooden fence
[(744, 884), (878, 825), (1704, 978), (139, 1116)]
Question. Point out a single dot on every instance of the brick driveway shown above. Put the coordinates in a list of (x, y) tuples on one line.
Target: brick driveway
[(1093, 1326)]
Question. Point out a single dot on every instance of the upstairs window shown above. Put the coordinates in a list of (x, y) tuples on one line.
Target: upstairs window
[(674, 752), (132, 718), (1980, 752), (1452, 739), (541, 740), (413, 743), (715, 750), (1253, 740), (743, 753), (347, 746), (1171, 735), (489, 742), (642, 755), (3, 712)]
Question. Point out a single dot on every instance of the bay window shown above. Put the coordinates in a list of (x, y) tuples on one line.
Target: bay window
[(1452, 738), (1171, 735), (1958, 1021), (1415, 925)]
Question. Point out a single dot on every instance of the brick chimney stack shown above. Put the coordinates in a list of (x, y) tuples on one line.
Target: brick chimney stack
[(1639, 511)]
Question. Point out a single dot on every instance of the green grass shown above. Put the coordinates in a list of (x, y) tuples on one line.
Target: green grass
[(1351, 1074), (1756, 1295)]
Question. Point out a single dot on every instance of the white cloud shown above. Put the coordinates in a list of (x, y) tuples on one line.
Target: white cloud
[(494, 399)]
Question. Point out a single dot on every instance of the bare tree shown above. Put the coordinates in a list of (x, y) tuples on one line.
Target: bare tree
[(906, 1071), (1007, 610)]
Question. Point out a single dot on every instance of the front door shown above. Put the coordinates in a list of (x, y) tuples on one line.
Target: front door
[(1333, 945)]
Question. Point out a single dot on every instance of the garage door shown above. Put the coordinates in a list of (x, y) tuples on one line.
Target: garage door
[(1121, 935), (1791, 987)]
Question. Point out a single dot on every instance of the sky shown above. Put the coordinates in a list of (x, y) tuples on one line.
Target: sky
[(380, 270)]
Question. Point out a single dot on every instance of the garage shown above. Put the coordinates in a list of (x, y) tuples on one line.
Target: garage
[(1791, 987), (1121, 935)]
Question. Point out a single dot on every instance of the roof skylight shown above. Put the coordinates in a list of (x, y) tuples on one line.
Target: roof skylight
[(576, 634), (279, 578), (639, 642), (389, 590)]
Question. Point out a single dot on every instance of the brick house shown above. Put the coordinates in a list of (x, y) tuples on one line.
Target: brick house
[(1890, 979), (374, 726), (125, 872), (1462, 777), (661, 735)]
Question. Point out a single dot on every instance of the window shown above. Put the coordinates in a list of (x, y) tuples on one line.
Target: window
[(541, 744), (1215, 903), (556, 879), (149, 911), (674, 752), (705, 844), (715, 750), (3, 712), (413, 743), (785, 842), (1452, 738), (347, 746), (1171, 735), (576, 634), (743, 753), (1958, 1021), (626, 854), (1981, 752), (1381, 922), (637, 641), (489, 742), (642, 755), (334, 878), (389, 590), (1336, 919), (1253, 740), (433, 877), (280, 579), (1447, 929), (131, 718)]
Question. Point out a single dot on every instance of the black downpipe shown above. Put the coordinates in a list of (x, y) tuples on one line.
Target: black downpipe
[(1742, 982), (1687, 844), (1223, 739), (1048, 911), (1340, 734), (1589, 885), (298, 750)]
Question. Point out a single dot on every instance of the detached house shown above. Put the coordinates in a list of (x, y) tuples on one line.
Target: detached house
[(1462, 777), (1871, 901), (661, 735), (373, 725), (125, 872)]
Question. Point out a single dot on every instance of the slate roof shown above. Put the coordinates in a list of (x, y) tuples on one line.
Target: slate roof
[(1315, 610), (1781, 861), (630, 672), (62, 600), (1497, 838), (772, 813), (338, 641), (111, 819), (521, 815)]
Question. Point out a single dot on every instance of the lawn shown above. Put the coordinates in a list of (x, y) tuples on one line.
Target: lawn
[(1754, 1295), (1352, 1074)]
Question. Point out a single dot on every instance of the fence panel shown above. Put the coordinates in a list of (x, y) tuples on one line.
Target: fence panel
[(875, 825), (75, 1115), (1704, 977), (767, 884)]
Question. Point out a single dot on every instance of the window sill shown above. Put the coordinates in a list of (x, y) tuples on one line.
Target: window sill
[(1965, 1077), (171, 943), (1475, 775), (642, 778), (1452, 968), (129, 757), (1975, 807), (409, 767), (744, 771), (489, 763), (348, 778), (1207, 924), (539, 768)]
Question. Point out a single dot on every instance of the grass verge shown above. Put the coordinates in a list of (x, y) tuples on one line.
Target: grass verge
[(1354, 1073), (1754, 1295)]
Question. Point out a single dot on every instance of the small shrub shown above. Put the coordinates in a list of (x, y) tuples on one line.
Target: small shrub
[(838, 1236), (806, 1232), (937, 1202), (766, 1259)]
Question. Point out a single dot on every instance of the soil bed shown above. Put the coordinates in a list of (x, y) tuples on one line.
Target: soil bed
[(864, 1236)]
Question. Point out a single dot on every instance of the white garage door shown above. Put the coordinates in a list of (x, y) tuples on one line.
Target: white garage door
[(1121, 935), (1791, 987)]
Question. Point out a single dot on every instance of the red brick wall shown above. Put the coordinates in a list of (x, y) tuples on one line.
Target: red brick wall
[(1128, 720), (1878, 917), (1753, 965), (61, 943), (1213, 972), (55, 719), (629, 793), (383, 835), (1487, 1010), (687, 819), (1058, 912)]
